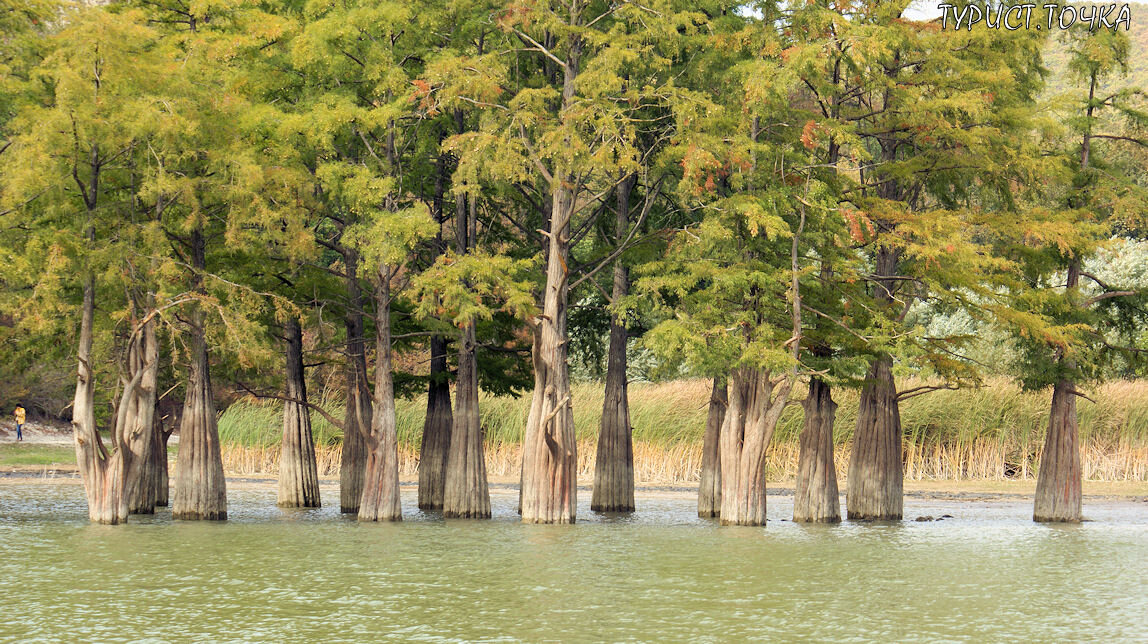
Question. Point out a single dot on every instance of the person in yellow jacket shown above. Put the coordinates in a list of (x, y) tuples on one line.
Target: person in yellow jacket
[(19, 423)]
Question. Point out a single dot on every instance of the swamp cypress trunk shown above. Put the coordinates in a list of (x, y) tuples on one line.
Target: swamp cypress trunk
[(155, 468), (102, 473), (357, 418), (135, 421), (436, 431), (114, 482), (549, 490), (815, 495), (298, 472), (709, 489), (754, 409), (1058, 486), (875, 485), (549, 457), (380, 500), (614, 465), (200, 488), (159, 461), (467, 494), (439, 418)]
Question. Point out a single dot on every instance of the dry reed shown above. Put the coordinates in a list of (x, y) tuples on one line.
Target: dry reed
[(992, 433)]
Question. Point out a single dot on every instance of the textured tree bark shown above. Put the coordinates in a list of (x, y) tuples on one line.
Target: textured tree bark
[(875, 485), (135, 422), (467, 494), (159, 471), (549, 487), (200, 488), (380, 500), (549, 457), (1058, 485), (435, 445), (298, 472), (709, 489), (357, 418), (436, 431), (115, 482), (614, 465), (816, 495), (102, 473), (754, 409)]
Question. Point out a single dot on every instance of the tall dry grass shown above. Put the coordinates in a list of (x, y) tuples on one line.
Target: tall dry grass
[(994, 432)]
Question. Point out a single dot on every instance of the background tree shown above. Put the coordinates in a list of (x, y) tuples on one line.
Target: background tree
[(1068, 330)]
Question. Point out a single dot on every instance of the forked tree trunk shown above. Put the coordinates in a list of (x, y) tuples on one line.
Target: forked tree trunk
[(875, 485), (549, 490), (1058, 485), (436, 431), (381, 484), (467, 494), (298, 472), (200, 488), (113, 481), (754, 409), (614, 464), (357, 418), (709, 489), (816, 496)]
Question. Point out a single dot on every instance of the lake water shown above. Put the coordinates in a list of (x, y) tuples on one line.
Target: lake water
[(268, 575)]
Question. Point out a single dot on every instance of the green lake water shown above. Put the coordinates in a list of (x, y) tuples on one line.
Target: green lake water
[(661, 574)]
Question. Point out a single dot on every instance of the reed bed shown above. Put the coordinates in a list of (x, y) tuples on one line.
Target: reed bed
[(992, 433)]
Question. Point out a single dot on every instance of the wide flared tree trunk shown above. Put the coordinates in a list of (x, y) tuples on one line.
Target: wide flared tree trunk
[(436, 431), (357, 418), (1058, 485), (815, 495), (467, 494), (380, 500), (709, 488), (298, 472), (754, 409), (200, 488), (875, 485), (614, 464)]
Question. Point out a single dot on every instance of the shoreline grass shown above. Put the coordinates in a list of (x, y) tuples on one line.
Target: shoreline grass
[(995, 432)]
